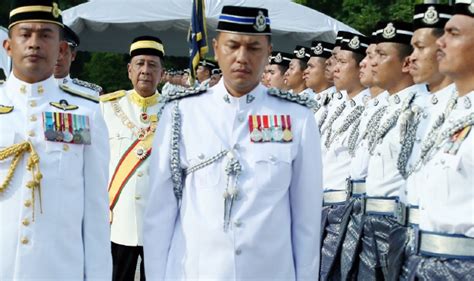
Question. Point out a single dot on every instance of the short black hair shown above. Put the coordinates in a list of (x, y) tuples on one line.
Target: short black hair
[(303, 64), (357, 57), (282, 68), (403, 50), (437, 32)]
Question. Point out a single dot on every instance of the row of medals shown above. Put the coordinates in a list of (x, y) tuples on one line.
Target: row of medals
[(78, 136), (268, 134)]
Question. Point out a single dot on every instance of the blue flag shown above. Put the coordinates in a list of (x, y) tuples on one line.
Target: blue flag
[(197, 36)]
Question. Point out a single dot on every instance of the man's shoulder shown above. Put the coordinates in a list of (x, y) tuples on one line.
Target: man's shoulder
[(299, 101), (117, 95), (183, 94), (77, 92)]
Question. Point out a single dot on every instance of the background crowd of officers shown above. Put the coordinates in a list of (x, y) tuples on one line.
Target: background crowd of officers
[(393, 111)]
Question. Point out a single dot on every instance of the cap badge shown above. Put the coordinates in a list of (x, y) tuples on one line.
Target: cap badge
[(389, 31), (260, 22), (318, 49), (431, 16), (300, 54), (56, 11), (278, 58), (354, 43)]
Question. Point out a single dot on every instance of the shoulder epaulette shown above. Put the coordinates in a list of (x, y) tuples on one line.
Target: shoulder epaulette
[(88, 85), (175, 95), (299, 99), (5, 109), (112, 96), (76, 93)]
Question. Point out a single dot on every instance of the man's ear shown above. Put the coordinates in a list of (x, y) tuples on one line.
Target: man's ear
[(215, 47), (62, 48), (7, 46), (406, 64)]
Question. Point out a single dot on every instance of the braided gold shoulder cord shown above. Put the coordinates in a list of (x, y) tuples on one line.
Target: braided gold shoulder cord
[(16, 151)]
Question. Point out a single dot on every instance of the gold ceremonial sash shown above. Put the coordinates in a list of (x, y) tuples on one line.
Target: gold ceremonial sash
[(133, 157)]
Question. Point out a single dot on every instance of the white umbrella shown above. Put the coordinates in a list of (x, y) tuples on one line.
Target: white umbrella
[(108, 25)]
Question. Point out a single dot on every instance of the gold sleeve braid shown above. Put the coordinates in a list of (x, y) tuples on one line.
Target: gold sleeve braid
[(17, 151)]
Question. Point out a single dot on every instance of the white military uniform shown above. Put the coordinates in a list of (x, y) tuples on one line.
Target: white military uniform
[(69, 238), (322, 112), (275, 221), (437, 104), (384, 178), (447, 195), (360, 160), (80, 86), (337, 158), (127, 218)]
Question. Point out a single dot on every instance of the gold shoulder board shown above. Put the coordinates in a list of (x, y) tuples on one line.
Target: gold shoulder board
[(112, 96)]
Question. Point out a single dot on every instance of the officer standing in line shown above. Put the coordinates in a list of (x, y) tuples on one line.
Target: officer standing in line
[(294, 75), (384, 213), (446, 232), (63, 67), (216, 75), (359, 135), (314, 74), (132, 118), (277, 66), (237, 190), (203, 72), (54, 168), (337, 159)]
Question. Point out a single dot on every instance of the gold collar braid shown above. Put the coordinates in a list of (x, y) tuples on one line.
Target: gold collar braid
[(144, 102), (16, 151)]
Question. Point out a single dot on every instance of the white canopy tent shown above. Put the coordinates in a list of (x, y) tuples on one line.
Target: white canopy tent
[(4, 58), (110, 25)]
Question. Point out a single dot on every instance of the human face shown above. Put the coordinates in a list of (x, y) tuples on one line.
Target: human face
[(242, 59), (455, 56), (145, 71), (314, 74), (63, 65), (275, 77), (365, 76), (265, 75), (346, 71), (423, 63), (330, 63), (294, 75), (214, 79), (185, 80), (387, 66), (34, 48), (202, 73)]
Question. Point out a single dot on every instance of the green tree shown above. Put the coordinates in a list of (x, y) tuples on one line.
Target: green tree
[(108, 70)]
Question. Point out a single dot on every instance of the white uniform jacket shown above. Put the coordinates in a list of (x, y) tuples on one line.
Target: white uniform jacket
[(275, 222), (127, 218), (384, 178), (65, 235), (336, 162), (447, 195)]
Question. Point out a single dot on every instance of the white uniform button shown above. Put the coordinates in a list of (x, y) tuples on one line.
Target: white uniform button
[(140, 174), (33, 103), (24, 240), (117, 135), (31, 133), (65, 147), (201, 156), (25, 222), (272, 158), (238, 223), (241, 118), (236, 146), (238, 252), (33, 118)]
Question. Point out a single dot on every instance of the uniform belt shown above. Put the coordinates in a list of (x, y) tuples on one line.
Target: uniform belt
[(413, 215), (334, 197), (358, 188), (386, 206), (445, 245)]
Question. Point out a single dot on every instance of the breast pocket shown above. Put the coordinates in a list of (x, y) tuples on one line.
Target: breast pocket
[(209, 173), (119, 141), (67, 160), (272, 165)]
